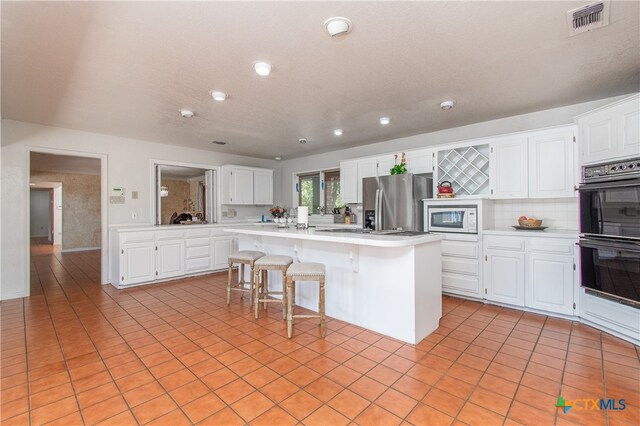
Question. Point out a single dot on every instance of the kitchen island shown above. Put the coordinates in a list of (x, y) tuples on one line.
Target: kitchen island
[(385, 283)]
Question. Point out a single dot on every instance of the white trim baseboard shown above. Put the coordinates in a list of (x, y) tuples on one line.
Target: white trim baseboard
[(71, 250)]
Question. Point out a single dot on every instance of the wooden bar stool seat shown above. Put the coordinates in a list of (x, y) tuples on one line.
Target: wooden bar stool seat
[(305, 272), (262, 266), (242, 257)]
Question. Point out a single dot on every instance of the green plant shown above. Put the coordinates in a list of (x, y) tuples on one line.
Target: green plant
[(399, 169)]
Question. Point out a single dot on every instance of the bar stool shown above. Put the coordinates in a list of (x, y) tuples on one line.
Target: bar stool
[(242, 257), (262, 265), (305, 272)]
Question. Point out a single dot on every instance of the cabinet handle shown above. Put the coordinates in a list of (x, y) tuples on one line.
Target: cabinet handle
[(485, 258), (122, 278), (485, 291), (122, 251)]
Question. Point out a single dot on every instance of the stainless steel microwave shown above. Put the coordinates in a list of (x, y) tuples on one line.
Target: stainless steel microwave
[(452, 219)]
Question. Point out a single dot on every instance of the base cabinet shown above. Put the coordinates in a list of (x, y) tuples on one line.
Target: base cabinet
[(534, 272), (138, 262), (160, 254), (504, 277), (461, 267), (550, 283)]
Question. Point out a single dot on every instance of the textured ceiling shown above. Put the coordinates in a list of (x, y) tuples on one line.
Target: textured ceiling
[(126, 68)]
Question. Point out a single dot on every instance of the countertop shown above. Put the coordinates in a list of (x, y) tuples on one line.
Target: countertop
[(549, 233), (357, 239), (147, 227)]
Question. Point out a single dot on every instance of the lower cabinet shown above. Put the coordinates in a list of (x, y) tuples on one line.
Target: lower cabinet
[(461, 265), (159, 254), (504, 277), (535, 272), (550, 283), (138, 262), (170, 259)]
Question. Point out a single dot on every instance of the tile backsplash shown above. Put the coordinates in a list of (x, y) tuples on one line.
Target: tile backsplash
[(557, 213)]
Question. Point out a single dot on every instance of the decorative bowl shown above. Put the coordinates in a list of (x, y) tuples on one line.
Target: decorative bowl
[(530, 223)]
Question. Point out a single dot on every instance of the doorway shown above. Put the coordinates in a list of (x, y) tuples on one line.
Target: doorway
[(67, 204)]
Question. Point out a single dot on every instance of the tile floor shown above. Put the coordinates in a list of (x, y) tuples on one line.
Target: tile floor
[(76, 352)]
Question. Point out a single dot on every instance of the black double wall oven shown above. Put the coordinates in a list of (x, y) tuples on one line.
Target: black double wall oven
[(610, 230)]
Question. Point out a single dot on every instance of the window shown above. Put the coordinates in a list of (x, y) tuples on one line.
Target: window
[(319, 189)]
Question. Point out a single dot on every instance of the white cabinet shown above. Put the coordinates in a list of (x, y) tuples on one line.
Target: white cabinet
[(349, 181), (138, 262), (504, 277), (461, 265), (221, 247), (536, 272), (247, 185), (419, 161), (385, 164), (170, 259), (366, 168), (551, 163), (610, 132), (550, 283), (262, 187), (508, 171)]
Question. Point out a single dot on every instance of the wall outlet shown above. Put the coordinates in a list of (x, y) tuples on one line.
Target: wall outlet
[(134, 195), (134, 215)]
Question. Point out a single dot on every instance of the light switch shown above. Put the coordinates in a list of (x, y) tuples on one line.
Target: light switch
[(134, 195)]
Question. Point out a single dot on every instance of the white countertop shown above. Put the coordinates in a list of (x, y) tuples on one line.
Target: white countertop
[(147, 227), (549, 233), (357, 239)]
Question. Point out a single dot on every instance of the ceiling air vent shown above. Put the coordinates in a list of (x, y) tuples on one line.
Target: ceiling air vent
[(589, 17)]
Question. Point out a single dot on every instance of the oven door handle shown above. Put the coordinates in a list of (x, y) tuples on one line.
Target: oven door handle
[(611, 245), (608, 185)]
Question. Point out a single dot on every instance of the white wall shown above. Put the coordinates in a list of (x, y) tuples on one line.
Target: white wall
[(536, 120), (40, 217), (128, 165), (57, 215)]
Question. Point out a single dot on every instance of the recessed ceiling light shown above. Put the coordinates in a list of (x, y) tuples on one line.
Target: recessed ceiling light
[(218, 96), (219, 142), (447, 105), (302, 141), (337, 26), (186, 113), (337, 132), (385, 120), (262, 68), (278, 158)]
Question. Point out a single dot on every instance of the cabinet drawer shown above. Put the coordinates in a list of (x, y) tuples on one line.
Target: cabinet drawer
[(460, 266), (504, 243), (460, 249), (137, 237), (552, 245), (197, 242), (170, 235), (460, 284), (198, 233), (196, 265), (198, 251)]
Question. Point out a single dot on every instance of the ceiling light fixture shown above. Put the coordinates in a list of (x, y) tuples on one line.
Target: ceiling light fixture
[(278, 158), (447, 105), (385, 120), (218, 96), (337, 26), (186, 113), (262, 68), (302, 141), (337, 132)]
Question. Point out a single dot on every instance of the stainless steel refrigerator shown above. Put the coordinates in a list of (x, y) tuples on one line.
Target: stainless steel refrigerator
[(395, 202)]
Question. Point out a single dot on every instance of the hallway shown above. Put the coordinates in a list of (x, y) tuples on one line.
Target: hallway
[(77, 352)]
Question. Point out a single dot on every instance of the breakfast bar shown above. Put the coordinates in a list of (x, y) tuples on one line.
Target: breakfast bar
[(386, 283)]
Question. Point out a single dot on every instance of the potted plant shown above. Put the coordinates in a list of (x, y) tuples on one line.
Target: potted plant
[(399, 169), (277, 211)]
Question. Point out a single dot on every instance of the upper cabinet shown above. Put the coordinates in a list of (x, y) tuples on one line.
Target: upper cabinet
[(466, 167), (534, 165), (353, 171), (552, 163), (247, 185), (508, 170), (610, 132), (349, 181)]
